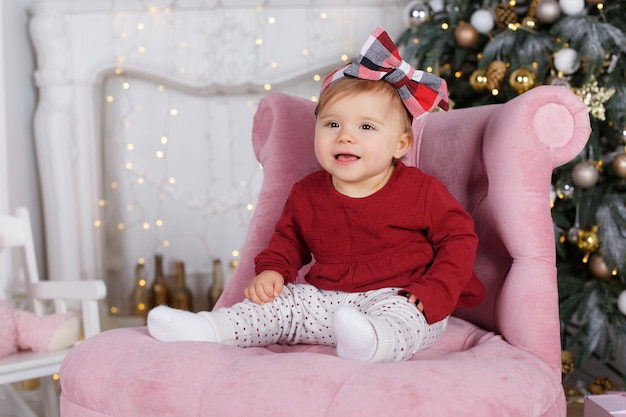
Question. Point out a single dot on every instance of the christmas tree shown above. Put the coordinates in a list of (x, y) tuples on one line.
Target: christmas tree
[(490, 52)]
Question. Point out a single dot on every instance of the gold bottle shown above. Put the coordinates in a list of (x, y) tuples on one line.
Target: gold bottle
[(160, 292), (140, 299), (217, 287), (181, 296)]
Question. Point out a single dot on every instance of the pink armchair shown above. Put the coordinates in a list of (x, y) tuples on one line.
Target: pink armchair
[(499, 359)]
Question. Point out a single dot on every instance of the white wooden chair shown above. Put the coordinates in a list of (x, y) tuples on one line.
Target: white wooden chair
[(16, 234)]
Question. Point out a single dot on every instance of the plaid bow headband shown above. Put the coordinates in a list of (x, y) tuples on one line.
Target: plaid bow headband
[(420, 91)]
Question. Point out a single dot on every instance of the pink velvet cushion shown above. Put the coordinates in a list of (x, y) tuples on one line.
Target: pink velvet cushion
[(470, 372), (499, 359)]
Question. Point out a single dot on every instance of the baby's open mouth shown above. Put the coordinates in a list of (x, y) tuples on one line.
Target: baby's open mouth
[(344, 157)]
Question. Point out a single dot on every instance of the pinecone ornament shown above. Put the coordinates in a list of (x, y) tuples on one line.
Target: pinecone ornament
[(600, 385), (496, 72), (567, 362), (505, 15)]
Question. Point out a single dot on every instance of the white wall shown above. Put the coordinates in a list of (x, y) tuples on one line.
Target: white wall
[(20, 184)]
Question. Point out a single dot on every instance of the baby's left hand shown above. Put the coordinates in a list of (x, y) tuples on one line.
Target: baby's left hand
[(413, 299)]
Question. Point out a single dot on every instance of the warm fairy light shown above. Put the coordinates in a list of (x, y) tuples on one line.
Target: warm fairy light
[(125, 85), (495, 92), (56, 376), (429, 69), (173, 112), (113, 310), (110, 99), (323, 15), (160, 154), (444, 26), (140, 26), (97, 223), (102, 203), (314, 99), (235, 253), (146, 226), (165, 243), (120, 226), (274, 64), (163, 139), (458, 74), (130, 147), (140, 180), (305, 52), (183, 44), (171, 180), (344, 57), (259, 41), (119, 71), (249, 206), (259, 9), (128, 165), (141, 49), (159, 222), (271, 20), (161, 87), (317, 77), (267, 87), (114, 185)]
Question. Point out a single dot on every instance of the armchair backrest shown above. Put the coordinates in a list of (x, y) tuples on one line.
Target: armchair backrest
[(497, 160)]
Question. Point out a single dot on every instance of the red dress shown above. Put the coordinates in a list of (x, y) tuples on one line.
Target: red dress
[(410, 234)]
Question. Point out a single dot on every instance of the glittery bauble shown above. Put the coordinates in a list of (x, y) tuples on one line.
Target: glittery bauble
[(621, 302), (584, 174), (465, 35), (598, 266), (572, 7), (588, 240), (619, 165), (482, 20), (478, 80), (567, 61), (522, 80), (415, 13)]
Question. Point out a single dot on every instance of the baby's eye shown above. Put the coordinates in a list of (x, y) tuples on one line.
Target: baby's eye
[(366, 126), (332, 124)]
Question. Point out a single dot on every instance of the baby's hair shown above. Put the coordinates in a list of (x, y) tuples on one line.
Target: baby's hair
[(351, 85)]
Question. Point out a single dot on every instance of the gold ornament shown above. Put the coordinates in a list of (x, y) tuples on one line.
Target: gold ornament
[(588, 240), (530, 23), (567, 362), (465, 35), (505, 15), (522, 80), (598, 267), (594, 97), (619, 165), (478, 80), (496, 71), (600, 385)]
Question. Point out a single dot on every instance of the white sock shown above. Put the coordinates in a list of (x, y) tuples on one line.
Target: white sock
[(170, 325), (356, 338)]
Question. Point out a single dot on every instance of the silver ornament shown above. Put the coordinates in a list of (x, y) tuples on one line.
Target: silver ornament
[(584, 174), (548, 11), (415, 13)]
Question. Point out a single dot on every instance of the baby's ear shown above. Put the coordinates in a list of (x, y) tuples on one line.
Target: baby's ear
[(403, 145)]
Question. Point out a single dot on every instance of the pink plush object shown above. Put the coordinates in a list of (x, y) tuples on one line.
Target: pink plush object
[(501, 358), (23, 330)]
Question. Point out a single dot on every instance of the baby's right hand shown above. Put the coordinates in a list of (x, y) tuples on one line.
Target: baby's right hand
[(265, 287)]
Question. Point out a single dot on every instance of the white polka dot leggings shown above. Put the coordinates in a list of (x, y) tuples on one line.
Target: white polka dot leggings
[(303, 314)]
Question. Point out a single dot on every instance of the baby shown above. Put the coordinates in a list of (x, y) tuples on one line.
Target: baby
[(393, 250)]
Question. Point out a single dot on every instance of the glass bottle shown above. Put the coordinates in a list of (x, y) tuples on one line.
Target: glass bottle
[(160, 293), (217, 287), (140, 299), (181, 296)]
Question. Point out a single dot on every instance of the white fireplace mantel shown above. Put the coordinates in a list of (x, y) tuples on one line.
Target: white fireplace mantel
[(200, 48)]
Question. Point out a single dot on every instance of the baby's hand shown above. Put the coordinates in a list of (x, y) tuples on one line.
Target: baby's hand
[(265, 287)]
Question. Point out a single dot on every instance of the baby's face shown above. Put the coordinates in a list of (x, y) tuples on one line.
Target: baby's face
[(358, 135)]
